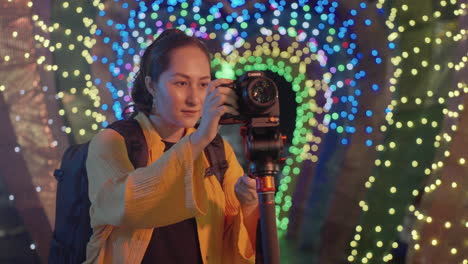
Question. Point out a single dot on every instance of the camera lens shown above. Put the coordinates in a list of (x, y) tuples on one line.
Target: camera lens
[(262, 92)]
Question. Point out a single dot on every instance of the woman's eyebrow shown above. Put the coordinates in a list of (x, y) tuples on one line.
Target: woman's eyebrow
[(188, 77)]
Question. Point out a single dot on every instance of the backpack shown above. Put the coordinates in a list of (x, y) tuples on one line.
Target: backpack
[(72, 222)]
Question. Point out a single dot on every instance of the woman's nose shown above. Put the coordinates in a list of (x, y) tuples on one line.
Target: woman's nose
[(192, 96)]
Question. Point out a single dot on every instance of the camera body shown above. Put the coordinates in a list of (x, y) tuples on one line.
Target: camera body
[(258, 100)]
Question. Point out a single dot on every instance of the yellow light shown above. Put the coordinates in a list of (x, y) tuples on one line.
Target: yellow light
[(461, 161), (453, 251), (358, 228), (454, 185), (395, 245), (65, 4), (434, 242), (379, 244), (378, 229), (416, 246), (391, 211), (82, 132), (393, 189), (415, 192)]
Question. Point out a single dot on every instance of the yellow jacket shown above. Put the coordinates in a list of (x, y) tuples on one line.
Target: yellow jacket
[(126, 204)]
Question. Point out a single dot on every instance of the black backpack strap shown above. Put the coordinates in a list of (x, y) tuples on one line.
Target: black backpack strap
[(135, 140), (217, 158)]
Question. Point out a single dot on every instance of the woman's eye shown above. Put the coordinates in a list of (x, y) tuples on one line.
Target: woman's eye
[(204, 85), (181, 83)]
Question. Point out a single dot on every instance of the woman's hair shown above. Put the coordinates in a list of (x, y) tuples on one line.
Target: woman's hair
[(156, 60)]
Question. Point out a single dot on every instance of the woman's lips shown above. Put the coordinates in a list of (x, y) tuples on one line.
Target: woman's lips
[(190, 112)]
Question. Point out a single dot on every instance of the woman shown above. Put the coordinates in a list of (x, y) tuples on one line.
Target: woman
[(168, 212)]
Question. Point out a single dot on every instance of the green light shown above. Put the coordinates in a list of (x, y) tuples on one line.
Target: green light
[(306, 8), (244, 25), (239, 72), (341, 67), (296, 87), (299, 99), (251, 59), (183, 13), (209, 18), (295, 171), (184, 5), (202, 21), (335, 116), (293, 22), (225, 26), (289, 161), (339, 129), (292, 32), (332, 31), (154, 16), (258, 60)]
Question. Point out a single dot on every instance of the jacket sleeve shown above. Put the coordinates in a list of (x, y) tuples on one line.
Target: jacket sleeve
[(165, 192), (237, 245)]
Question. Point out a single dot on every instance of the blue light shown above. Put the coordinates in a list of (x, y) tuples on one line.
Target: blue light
[(102, 13), (378, 60), (353, 110), (375, 53), (369, 113), (125, 5), (110, 22), (106, 40), (105, 123), (104, 60), (98, 32), (391, 45), (104, 107), (375, 87), (343, 114), (343, 99), (353, 12), (353, 36), (97, 81), (357, 92), (369, 143), (333, 125), (344, 141), (363, 5), (368, 22), (369, 129), (351, 117)]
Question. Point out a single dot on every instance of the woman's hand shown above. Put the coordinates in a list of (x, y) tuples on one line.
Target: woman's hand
[(246, 191), (219, 100)]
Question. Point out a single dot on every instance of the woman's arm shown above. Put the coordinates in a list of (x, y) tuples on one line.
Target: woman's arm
[(167, 191)]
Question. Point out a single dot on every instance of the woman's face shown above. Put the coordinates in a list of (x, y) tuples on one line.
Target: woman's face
[(180, 91)]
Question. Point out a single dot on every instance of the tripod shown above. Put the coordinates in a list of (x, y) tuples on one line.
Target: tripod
[(263, 144)]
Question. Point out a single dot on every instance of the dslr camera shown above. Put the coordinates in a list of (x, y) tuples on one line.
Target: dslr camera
[(258, 100)]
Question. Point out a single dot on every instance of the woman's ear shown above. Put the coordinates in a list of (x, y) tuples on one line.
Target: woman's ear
[(149, 84)]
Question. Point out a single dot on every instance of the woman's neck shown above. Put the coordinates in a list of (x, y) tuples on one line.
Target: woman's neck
[(167, 131)]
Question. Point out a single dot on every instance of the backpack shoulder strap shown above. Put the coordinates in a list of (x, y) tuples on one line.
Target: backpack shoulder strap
[(135, 140), (217, 158)]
